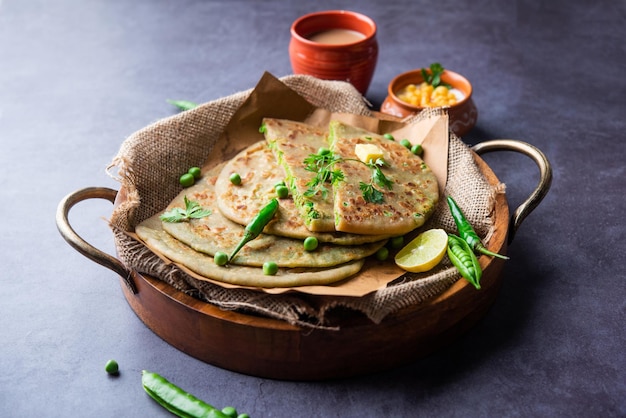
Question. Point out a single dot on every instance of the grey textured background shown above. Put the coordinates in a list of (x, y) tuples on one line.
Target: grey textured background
[(78, 76)]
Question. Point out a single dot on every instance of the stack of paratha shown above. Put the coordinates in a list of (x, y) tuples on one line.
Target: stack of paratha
[(349, 228)]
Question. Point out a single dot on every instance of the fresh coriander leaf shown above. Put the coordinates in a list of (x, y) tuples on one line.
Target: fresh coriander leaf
[(192, 210), (379, 178), (322, 164), (380, 162), (434, 76), (425, 75), (174, 215), (336, 176), (436, 68), (199, 213), (370, 194)]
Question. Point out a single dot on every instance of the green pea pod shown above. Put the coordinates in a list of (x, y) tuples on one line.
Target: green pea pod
[(176, 400), (464, 259), (256, 225), (466, 231)]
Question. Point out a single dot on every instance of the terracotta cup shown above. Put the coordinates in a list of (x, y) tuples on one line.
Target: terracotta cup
[(349, 52)]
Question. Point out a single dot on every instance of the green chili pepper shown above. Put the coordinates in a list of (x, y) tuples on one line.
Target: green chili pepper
[(464, 259), (176, 400), (255, 227), (466, 231)]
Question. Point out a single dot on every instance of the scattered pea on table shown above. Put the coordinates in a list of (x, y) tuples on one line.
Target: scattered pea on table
[(112, 367)]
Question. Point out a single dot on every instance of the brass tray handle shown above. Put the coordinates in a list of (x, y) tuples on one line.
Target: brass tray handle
[(545, 172), (82, 246)]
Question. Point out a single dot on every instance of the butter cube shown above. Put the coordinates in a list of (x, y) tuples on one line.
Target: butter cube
[(368, 153)]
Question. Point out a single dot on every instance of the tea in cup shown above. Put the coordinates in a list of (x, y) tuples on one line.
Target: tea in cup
[(335, 45)]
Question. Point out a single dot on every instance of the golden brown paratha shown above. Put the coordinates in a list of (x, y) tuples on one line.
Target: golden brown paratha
[(407, 203), (260, 172)]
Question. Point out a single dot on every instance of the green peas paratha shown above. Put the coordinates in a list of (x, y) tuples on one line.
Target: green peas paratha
[(152, 233), (406, 204), (215, 232), (292, 142), (259, 171)]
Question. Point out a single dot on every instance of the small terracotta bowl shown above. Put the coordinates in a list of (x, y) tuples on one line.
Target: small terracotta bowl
[(463, 114)]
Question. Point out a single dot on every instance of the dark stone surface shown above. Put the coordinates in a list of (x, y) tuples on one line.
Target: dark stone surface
[(77, 77)]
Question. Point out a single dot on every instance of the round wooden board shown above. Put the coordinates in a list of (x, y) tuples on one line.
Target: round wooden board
[(271, 348)]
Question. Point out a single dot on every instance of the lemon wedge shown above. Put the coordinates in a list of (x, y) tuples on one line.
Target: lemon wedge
[(424, 252)]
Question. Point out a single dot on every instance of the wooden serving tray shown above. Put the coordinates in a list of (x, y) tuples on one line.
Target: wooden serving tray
[(272, 348)]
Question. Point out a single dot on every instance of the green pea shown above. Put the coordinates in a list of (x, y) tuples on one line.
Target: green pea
[(243, 416), (282, 192), (229, 411), (382, 253), (112, 367), (406, 143), (196, 172), (310, 244), (187, 180), (396, 242), (389, 137), (235, 179), (270, 268), (417, 149), (220, 258), (323, 151)]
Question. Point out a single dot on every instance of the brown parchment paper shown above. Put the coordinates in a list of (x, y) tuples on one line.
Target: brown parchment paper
[(243, 131), (150, 161)]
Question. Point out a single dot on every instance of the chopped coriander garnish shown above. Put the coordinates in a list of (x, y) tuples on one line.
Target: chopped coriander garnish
[(370, 194), (322, 164), (192, 210), (377, 175)]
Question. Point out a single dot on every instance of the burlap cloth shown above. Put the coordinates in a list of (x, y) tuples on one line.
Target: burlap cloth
[(170, 145)]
